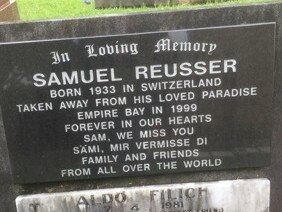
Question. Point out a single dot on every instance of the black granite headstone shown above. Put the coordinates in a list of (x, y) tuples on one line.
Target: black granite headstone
[(139, 104), (242, 117)]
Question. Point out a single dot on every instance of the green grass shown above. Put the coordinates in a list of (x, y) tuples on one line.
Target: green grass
[(52, 9)]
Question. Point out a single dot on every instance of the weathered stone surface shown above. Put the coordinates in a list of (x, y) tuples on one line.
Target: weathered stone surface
[(231, 196), (148, 22)]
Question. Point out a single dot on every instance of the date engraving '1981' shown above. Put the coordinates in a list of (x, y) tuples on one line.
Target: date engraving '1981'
[(222, 196)]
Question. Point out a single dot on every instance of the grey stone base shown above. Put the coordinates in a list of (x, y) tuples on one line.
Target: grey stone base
[(230, 196)]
